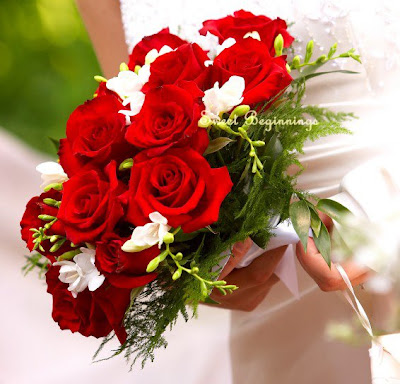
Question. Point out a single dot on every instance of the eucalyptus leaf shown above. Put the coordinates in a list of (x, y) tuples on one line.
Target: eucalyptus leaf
[(323, 244), (333, 209), (315, 221), (217, 144), (301, 220)]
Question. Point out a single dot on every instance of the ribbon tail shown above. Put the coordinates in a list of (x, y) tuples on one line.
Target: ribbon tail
[(286, 271)]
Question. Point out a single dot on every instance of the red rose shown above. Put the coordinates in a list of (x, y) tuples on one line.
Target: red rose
[(95, 135), (91, 204), (185, 63), (148, 43), (265, 76), (90, 313), (169, 118), (30, 219), (122, 269), (243, 22), (180, 185)]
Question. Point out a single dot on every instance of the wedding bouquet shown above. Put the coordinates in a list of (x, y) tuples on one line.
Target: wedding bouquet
[(183, 154)]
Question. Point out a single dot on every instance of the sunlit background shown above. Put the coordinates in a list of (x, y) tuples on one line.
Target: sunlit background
[(46, 68)]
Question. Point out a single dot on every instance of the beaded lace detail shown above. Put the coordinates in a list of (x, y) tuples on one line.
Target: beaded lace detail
[(368, 26)]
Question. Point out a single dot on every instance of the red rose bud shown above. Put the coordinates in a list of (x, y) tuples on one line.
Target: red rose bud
[(90, 313), (156, 41), (243, 22), (186, 63), (122, 269)]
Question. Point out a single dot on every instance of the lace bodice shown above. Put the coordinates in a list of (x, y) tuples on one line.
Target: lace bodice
[(369, 26)]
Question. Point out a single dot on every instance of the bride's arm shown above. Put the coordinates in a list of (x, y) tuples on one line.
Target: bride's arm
[(104, 25)]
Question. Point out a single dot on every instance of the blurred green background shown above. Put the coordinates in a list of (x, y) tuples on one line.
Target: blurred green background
[(46, 68)]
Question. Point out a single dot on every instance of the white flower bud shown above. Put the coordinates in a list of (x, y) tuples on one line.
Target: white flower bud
[(51, 173)]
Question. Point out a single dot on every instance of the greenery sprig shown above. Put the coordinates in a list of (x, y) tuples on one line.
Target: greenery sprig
[(36, 260), (304, 216), (242, 135), (296, 63), (178, 267), (40, 234)]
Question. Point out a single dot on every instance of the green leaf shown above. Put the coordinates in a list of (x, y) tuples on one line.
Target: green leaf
[(273, 149), (56, 143), (311, 75), (315, 221), (217, 144), (333, 209), (209, 300), (182, 236), (323, 244), (301, 220)]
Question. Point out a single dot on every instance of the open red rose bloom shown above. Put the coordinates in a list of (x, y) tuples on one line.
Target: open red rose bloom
[(139, 169)]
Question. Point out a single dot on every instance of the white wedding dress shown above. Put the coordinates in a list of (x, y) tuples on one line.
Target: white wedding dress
[(283, 340)]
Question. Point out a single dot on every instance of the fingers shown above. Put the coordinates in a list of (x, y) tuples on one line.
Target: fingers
[(328, 279), (327, 221), (238, 252), (254, 282), (245, 300), (259, 271)]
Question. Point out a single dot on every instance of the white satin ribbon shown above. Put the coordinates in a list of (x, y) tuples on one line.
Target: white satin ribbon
[(383, 364), (283, 234), (354, 302)]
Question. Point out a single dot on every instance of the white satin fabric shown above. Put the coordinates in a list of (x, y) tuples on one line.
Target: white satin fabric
[(284, 330)]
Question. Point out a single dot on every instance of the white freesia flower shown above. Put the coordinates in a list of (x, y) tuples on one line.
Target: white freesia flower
[(208, 43), (154, 54), (81, 273), (254, 34), (144, 74), (51, 173), (128, 86), (125, 84), (150, 234), (219, 100), (135, 102)]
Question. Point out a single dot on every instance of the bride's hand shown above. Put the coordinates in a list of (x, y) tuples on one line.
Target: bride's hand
[(328, 279), (254, 281)]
